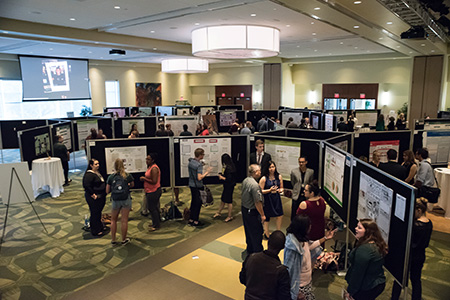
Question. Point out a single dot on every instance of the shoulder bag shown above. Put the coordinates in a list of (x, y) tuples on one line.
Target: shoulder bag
[(430, 193)]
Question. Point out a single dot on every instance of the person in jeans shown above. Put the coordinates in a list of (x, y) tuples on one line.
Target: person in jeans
[(152, 189), (196, 176)]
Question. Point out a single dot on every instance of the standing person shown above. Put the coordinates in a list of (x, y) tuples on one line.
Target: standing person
[(199, 129), (425, 174), (365, 277), (185, 131), (300, 177), (205, 130), (392, 166), (134, 128), (376, 158), (196, 176), (263, 275), (410, 165), (234, 127), (247, 129), (101, 135), (60, 150), (262, 124), (271, 184), (421, 235), (119, 184), (161, 131), (379, 126), (260, 157), (152, 188), (94, 192), (252, 210), (401, 122), (134, 134), (314, 207), (299, 253), (169, 130), (391, 124), (351, 123), (341, 125), (228, 176)]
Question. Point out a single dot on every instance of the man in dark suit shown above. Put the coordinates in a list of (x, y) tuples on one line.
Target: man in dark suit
[(262, 124), (300, 177), (260, 157), (392, 167)]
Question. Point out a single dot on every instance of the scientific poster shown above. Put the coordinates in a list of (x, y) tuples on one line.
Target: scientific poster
[(84, 130), (297, 116), (367, 117), (227, 118), (342, 145), (42, 144), (177, 123), (334, 174), (214, 148), (438, 145), (285, 154), (127, 123), (315, 122), (375, 202), (383, 147), (328, 122), (64, 131), (133, 158)]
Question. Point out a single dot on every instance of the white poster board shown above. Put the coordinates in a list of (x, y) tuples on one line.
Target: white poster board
[(342, 145), (214, 148), (329, 122), (227, 118), (285, 154), (133, 158), (334, 174), (375, 202), (128, 123), (84, 130), (177, 123), (64, 131), (204, 110), (367, 117), (18, 195), (383, 147), (438, 145), (297, 116)]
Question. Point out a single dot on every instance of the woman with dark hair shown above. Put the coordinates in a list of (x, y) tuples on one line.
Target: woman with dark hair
[(391, 124), (365, 277), (119, 184), (228, 176), (379, 126), (199, 129), (314, 207), (271, 184), (152, 187), (134, 128), (421, 234), (94, 192), (205, 130), (410, 164), (299, 253), (401, 122), (92, 136)]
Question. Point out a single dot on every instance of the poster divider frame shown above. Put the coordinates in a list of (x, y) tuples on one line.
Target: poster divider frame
[(172, 169), (50, 127), (404, 284), (19, 133), (73, 144)]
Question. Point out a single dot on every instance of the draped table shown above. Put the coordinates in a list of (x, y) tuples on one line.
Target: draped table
[(47, 176), (443, 178)]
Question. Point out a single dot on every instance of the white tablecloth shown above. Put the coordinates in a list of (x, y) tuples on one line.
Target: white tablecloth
[(443, 178), (47, 175)]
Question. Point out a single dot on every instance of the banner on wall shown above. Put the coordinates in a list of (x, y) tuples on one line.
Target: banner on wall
[(382, 147), (148, 94), (285, 154)]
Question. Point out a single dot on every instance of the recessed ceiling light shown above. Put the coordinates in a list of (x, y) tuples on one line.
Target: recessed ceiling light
[(101, 56), (314, 33), (432, 51), (356, 47), (298, 46), (89, 51), (389, 23), (315, 17), (288, 25), (342, 43), (380, 38), (312, 23), (50, 49), (253, 15), (356, 26), (96, 42), (5, 32), (342, 61), (196, 24), (329, 53), (357, 2), (155, 48), (72, 19), (116, 7), (316, 8), (152, 31), (315, 50), (296, 56), (410, 52), (141, 49), (398, 46)]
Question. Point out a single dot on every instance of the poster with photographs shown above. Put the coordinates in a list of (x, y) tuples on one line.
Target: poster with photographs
[(42, 144), (64, 131), (285, 154), (148, 94), (227, 118), (177, 123), (133, 158)]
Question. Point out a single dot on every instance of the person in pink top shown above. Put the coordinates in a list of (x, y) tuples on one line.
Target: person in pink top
[(314, 207), (152, 189)]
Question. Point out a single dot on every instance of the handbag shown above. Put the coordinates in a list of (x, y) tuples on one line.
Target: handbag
[(205, 194), (430, 193)]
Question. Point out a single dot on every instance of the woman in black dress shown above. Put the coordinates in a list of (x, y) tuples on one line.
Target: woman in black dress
[(410, 165), (228, 176), (95, 194)]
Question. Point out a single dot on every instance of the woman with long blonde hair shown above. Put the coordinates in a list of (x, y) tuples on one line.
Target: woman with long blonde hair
[(119, 184)]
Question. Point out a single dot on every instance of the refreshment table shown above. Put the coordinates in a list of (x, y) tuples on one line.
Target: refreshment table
[(47, 175), (443, 178)]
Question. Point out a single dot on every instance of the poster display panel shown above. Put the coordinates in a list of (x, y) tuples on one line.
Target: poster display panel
[(84, 130), (367, 117), (178, 122), (127, 124), (227, 118), (64, 131), (117, 112), (206, 110), (438, 145), (375, 202), (285, 154), (328, 122), (334, 174), (297, 116), (133, 158), (342, 145), (382, 147), (315, 122), (42, 144), (214, 148)]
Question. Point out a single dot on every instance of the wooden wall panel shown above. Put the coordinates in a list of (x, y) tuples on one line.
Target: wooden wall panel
[(351, 91), (272, 86)]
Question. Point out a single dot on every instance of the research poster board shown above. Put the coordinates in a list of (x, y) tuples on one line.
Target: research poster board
[(183, 111), (285, 154), (41, 144), (315, 122), (127, 124), (133, 158), (117, 112), (328, 122), (438, 145), (382, 147), (177, 123), (436, 126), (375, 202), (206, 110), (227, 118), (342, 145), (367, 117), (84, 130), (297, 116), (334, 169), (214, 148), (64, 131)]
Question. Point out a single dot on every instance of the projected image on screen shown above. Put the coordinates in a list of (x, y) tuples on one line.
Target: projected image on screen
[(46, 78)]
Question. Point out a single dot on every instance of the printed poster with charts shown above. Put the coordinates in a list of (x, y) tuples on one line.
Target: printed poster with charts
[(133, 158), (285, 154), (334, 174), (383, 147), (227, 118), (177, 123), (84, 130), (375, 202), (214, 148), (127, 124), (64, 131), (438, 145)]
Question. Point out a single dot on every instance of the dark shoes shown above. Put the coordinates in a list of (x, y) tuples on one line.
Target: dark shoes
[(194, 224)]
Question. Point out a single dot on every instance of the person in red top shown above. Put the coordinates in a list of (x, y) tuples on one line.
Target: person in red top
[(205, 130), (314, 208), (152, 189)]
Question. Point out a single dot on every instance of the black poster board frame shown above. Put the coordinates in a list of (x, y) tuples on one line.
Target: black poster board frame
[(26, 137), (150, 126)]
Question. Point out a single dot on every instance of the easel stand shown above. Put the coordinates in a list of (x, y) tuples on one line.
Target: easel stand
[(13, 171)]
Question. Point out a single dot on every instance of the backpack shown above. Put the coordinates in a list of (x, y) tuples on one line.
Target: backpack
[(119, 188)]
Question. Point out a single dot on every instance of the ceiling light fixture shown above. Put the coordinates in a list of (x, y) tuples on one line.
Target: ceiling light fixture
[(116, 7), (357, 2), (316, 8), (72, 19), (253, 15), (389, 23), (185, 65), (236, 41), (356, 26)]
